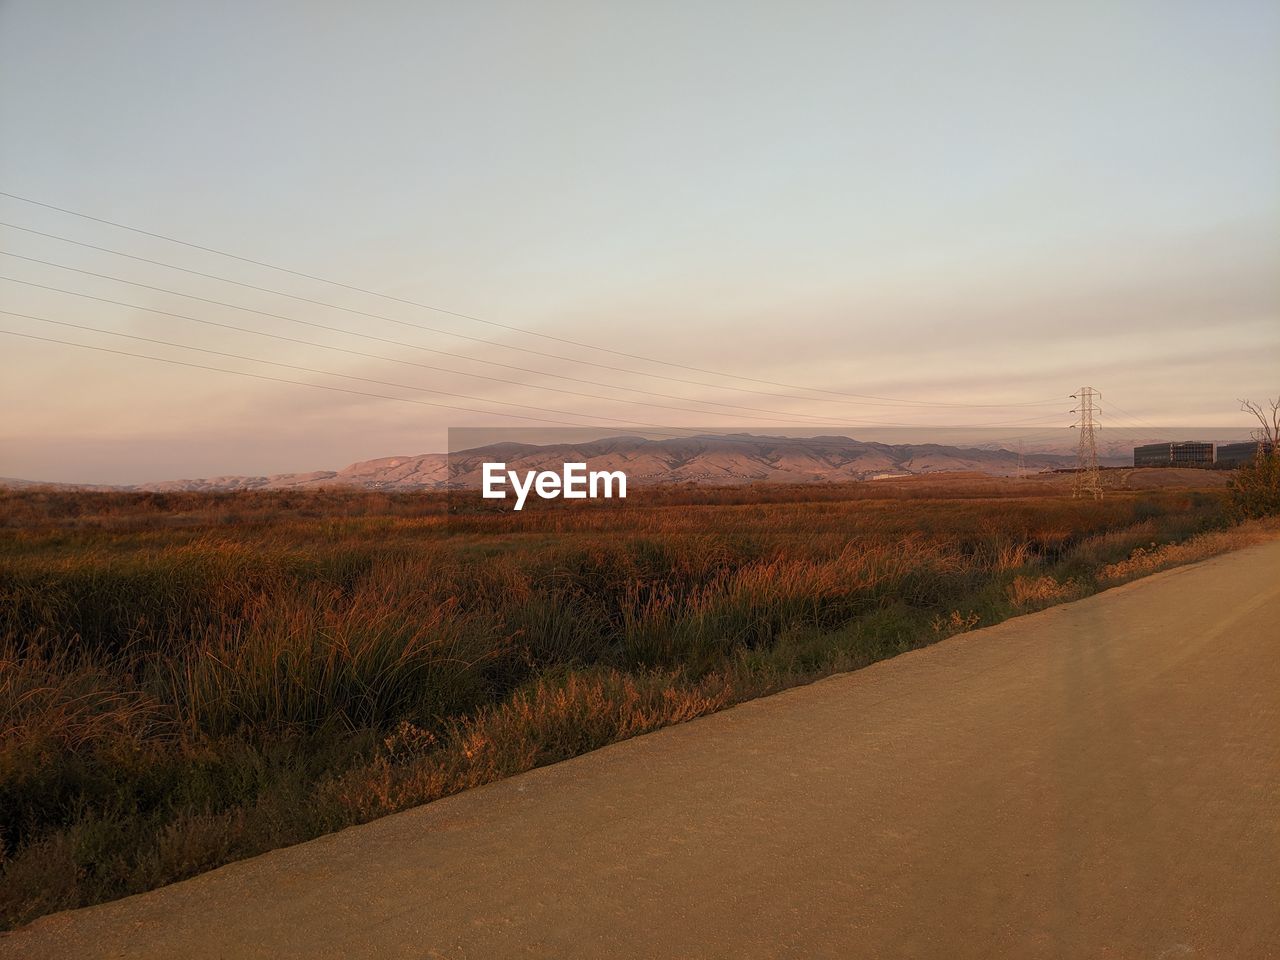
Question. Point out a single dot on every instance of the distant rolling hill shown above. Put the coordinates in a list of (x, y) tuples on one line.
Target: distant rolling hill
[(708, 459)]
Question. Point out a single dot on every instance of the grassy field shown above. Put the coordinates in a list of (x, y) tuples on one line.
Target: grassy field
[(188, 679)]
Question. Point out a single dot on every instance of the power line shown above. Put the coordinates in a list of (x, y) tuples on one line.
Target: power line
[(331, 373), (254, 359), (412, 346), (698, 383), (1143, 424), (346, 350), (777, 415), (321, 386), (296, 383), (464, 316), (280, 316), (688, 434), (786, 417), (405, 323)]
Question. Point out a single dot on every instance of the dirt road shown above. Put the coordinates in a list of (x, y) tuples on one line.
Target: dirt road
[(1098, 780)]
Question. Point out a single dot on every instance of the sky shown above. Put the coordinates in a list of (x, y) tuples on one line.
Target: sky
[(965, 210)]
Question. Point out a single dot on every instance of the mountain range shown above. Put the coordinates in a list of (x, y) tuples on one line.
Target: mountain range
[(707, 459)]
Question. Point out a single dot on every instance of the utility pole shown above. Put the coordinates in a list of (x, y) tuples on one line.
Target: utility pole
[(1022, 463), (1087, 478)]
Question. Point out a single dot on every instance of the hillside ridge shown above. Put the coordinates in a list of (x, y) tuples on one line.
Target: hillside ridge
[(707, 459)]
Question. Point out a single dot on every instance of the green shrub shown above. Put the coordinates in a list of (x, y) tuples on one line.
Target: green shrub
[(1255, 489)]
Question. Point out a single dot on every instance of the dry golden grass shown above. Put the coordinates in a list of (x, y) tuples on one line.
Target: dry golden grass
[(190, 679), (1034, 593), (1155, 557)]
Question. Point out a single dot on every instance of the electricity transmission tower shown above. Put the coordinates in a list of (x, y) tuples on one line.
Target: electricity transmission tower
[(1087, 478)]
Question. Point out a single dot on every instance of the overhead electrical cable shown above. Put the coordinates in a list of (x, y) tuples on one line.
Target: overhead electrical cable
[(332, 373), (296, 383), (551, 356), (687, 435), (792, 417), (464, 316)]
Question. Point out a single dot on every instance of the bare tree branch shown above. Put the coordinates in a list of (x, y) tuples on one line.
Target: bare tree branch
[(1268, 431)]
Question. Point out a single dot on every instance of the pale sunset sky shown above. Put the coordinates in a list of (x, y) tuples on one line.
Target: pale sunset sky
[(973, 207)]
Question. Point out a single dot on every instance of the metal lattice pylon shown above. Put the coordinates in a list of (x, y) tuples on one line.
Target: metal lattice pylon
[(1088, 481)]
